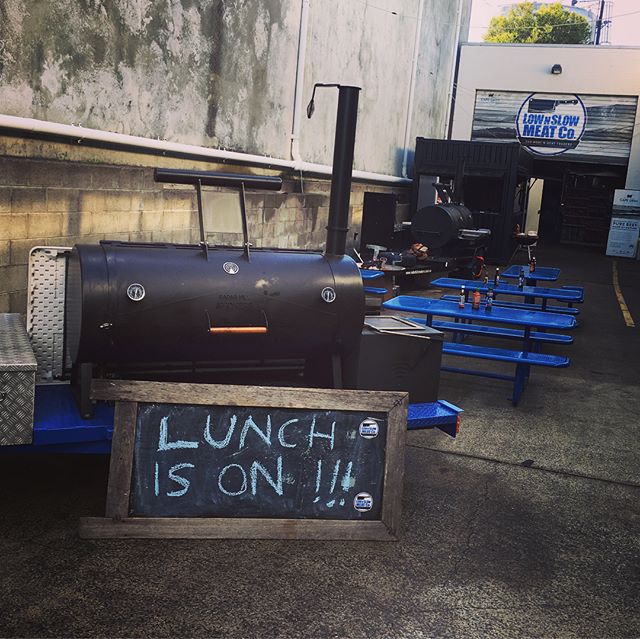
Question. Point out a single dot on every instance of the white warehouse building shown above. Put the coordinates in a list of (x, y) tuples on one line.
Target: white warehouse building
[(574, 109)]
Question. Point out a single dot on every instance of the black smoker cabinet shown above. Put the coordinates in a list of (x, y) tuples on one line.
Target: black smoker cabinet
[(489, 178)]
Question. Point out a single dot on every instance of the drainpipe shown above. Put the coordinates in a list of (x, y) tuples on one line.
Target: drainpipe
[(448, 123), (412, 90), (299, 88)]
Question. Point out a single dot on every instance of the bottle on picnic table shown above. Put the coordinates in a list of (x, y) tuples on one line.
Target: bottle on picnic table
[(496, 279), (489, 303), (475, 304), (532, 265), (462, 294), (521, 279)]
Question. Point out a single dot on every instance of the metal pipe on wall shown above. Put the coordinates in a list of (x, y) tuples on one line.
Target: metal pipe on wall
[(299, 86), (452, 75), (412, 89), (107, 139)]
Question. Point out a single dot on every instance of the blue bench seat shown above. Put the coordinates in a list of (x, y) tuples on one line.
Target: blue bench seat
[(522, 360), (580, 290), (495, 331), (375, 290), (523, 306), (505, 355), (439, 414)]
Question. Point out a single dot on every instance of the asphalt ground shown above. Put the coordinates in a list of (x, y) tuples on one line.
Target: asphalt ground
[(526, 525)]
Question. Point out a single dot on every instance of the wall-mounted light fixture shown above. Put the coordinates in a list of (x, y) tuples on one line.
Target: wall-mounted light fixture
[(556, 69)]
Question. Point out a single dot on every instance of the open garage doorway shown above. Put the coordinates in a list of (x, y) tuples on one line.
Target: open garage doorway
[(575, 203)]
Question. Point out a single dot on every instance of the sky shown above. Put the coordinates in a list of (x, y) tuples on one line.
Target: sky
[(625, 19)]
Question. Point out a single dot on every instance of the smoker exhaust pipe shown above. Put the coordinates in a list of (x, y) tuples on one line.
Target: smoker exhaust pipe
[(337, 227)]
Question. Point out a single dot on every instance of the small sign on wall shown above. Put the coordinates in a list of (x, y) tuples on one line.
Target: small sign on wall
[(623, 236), (627, 201)]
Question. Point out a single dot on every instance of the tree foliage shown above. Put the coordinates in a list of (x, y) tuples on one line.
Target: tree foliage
[(550, 24)]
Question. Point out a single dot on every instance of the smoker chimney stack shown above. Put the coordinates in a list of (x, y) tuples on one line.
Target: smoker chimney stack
[(337, 226)]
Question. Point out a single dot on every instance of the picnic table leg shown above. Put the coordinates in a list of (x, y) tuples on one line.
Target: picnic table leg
[(466, 301), (526, 347), (530, 281), (519, 382), (457, 337), (536, 347), (529, 299)]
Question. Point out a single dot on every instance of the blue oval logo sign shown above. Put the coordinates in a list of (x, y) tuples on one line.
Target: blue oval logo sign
[(551, 124)]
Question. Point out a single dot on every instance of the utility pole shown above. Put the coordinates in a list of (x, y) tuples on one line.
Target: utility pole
[(599, 22)]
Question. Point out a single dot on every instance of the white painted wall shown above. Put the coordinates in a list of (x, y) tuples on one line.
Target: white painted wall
[(367, 45), (593, 70)]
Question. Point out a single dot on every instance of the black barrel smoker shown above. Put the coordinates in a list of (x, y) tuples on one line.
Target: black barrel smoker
[(448, 230), (134, 304), (445, 231), (137, 310), (190, 312)]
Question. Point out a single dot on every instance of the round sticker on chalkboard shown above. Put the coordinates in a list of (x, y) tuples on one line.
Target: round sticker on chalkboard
[(369, 428), (363, 502)]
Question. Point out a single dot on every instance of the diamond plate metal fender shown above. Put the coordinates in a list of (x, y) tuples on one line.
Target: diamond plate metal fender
[(45, 309)]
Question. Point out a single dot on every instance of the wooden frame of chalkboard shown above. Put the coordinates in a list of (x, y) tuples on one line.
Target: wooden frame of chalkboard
[(130, 512)]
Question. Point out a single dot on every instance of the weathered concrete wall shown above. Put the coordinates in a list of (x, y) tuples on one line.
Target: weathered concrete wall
[(368, 47), (221, 72), (436, 68), (206, 72)]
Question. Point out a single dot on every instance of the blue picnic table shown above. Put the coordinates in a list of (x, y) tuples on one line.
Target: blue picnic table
[(530, 293), (542, 273), (501, 315), (525, 320)]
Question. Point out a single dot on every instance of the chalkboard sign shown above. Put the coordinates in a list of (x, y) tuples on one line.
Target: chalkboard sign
[(252, 462)]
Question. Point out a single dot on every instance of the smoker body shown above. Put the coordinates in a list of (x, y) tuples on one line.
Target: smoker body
[(278, 305)]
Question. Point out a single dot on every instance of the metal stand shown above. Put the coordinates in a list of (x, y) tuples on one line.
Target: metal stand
[(81, 376)]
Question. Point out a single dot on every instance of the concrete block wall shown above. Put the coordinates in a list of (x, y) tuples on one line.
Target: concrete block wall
[(50, 197)]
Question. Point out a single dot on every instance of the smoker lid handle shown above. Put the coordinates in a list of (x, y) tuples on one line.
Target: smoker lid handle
[(238, 330), (213, 178)]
